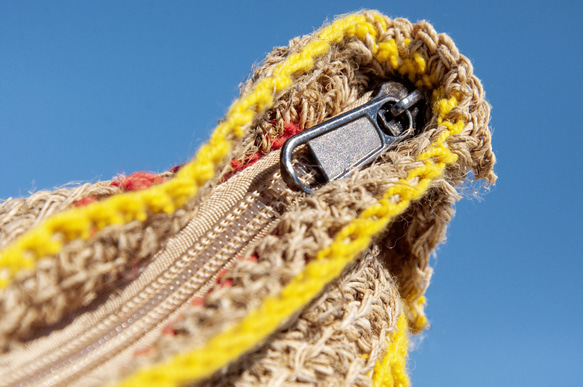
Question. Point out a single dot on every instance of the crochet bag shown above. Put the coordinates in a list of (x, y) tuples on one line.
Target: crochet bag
[(293, 248)]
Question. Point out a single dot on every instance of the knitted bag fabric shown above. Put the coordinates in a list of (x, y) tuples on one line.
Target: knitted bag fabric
[(108, 283)]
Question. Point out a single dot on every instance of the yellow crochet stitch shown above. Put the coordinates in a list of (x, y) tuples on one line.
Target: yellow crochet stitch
[(347, 244), (48, 238), (391, 371)]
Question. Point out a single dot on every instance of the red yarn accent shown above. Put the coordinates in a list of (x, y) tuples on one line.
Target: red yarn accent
[(176, 168), (138, 181), (248, 161), (198, 301), (289, 129), (236, 164), (85, 201), (134, 182)]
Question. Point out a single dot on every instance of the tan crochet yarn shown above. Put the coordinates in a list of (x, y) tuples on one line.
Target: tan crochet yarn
[(341, 336)]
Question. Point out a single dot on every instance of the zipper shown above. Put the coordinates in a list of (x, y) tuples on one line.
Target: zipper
[(237, 215), (391, 117)]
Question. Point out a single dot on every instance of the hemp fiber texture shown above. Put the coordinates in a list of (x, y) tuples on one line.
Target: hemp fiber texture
[(323, 288)]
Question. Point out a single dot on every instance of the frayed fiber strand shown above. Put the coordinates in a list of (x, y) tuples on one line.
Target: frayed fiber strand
[(48, 238), (391, 371), (337, 279), (347, 244)]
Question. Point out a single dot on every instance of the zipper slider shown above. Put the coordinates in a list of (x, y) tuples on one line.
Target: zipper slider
[(353, 139)]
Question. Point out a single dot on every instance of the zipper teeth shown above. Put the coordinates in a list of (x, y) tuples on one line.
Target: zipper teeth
[(189, 275)]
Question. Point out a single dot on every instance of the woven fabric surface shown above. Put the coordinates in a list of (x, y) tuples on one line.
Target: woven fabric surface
[(352, 330), (352, 69)]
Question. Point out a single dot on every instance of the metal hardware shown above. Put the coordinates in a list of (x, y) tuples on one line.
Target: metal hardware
[(406, 103), (353, 139)]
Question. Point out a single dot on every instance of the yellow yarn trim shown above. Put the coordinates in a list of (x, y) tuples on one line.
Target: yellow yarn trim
[(392, 370), (419, 321), (347, 244), (48, 238)]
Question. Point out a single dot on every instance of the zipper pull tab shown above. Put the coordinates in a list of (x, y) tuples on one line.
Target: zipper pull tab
[(353, 139)]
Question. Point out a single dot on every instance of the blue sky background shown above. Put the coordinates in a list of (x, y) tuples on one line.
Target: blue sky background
[(92, 89)]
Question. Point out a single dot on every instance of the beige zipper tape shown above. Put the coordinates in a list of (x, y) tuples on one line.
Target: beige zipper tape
[(459, 108), (50, 354)]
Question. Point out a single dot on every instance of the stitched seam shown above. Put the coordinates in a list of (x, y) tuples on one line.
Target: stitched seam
[(347, 244), (48, 238)]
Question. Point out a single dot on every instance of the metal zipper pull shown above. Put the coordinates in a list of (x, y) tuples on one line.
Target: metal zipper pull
[(235, 216), (354, 139)]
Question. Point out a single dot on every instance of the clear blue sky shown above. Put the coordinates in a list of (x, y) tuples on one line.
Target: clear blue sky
[(92, 89)]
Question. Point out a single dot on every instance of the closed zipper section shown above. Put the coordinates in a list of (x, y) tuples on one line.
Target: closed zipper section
[(237, 214), (192, 274)]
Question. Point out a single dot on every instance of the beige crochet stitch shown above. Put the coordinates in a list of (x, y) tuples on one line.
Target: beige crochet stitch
[(339, 338)]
